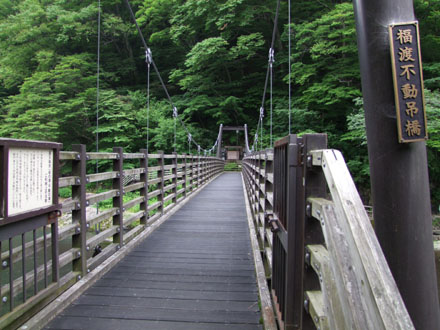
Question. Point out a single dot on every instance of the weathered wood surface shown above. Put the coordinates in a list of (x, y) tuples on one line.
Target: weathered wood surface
[(365, 286), (195, 272)]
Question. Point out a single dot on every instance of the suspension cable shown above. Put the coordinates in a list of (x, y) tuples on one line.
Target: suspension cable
[(290, 66), (266, 82), (158, 73)]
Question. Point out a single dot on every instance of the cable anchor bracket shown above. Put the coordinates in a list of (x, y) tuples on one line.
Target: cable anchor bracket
[(271, 56), (148, 56)]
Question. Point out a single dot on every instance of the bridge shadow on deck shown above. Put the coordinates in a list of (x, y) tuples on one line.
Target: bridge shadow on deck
[(195, 272)]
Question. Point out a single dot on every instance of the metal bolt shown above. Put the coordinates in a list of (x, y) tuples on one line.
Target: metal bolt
[(117, 211), (316, 319), (78, 181), (309, 210), (118, 156), (78, 205), (78, 230), (118, 247), (309, 161), (306, 305), (87, 157), (5, 264), (87, 180), (118, 193), (79, 277), (87, 203), (88, 270), (88, 248), (123, 191), (308, 258), (88, 225), (78, 156), (78, 254), (118, 175), (123, 209), (118, 229), (5, 299)]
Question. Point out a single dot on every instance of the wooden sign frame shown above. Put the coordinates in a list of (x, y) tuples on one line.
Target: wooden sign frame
[(51, 205)]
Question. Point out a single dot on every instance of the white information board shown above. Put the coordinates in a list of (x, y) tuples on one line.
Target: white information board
[(30, 179)]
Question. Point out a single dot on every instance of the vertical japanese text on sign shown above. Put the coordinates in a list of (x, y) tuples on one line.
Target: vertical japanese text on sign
[(408, 82)]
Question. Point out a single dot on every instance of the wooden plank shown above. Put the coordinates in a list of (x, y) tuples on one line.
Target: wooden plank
[(102, 155), (134, 155), (68, 155), (316, 309), (134, 186), (134, 171), (67, 181), (101, 176), (102, 196)]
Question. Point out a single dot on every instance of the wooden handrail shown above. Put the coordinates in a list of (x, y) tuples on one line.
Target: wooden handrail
[(354, 287)]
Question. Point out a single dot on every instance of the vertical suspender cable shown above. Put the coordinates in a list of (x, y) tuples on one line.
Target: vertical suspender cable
[(271, 60), (148, 59), (290, 67), (97, 90), (148, 105), (175, 114)]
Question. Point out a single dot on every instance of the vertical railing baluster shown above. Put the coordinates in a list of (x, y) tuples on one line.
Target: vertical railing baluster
[(45, 256), (11, 276), (144, 190), (34, 237), (23, 264), (55, 252), (1, 276), (118, 201), (79, 239)]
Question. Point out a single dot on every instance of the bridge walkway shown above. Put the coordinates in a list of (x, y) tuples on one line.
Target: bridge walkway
[(194, 272)]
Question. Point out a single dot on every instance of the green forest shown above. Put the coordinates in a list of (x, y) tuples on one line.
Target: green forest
[(213, 58)]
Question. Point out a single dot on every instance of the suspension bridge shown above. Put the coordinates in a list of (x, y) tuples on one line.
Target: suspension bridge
[(154, 240)]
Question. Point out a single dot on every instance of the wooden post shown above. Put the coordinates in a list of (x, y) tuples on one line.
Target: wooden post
[(185, 175), (316, 186), (118, 202), (79, 239), (161, 184), (174, 171), (399, 172), (144, 190)]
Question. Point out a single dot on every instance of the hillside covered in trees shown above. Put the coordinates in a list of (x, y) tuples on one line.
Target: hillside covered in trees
[(213, 57)]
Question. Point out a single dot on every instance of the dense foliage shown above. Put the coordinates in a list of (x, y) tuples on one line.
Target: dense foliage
[(213, 57)]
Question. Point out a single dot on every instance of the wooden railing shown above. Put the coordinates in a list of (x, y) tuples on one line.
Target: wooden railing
[(324, 263), (99, 217)]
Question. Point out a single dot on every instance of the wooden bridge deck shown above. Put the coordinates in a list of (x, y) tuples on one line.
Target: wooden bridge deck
[(195, 272)]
